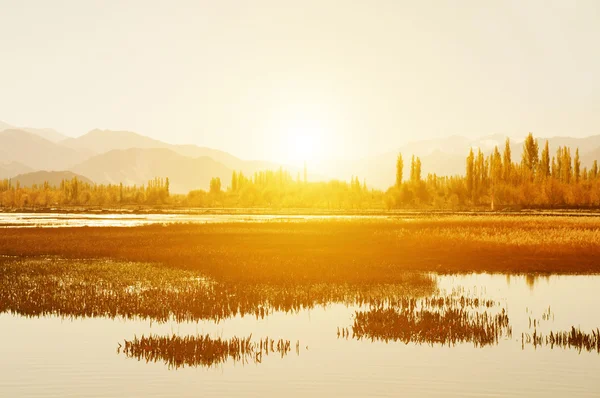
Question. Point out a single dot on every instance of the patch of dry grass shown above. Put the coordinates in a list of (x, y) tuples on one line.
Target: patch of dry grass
[(340, 251)]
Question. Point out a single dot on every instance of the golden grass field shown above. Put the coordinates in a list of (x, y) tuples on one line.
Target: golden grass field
[(340, 251)]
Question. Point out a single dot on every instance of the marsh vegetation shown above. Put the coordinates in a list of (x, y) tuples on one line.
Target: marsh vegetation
[(436, 320), (333, 251), (86, 288), (202, 350)]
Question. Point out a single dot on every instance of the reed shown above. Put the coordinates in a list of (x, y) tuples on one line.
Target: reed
[(202, 350), (36, 287), (574, 339), (437, 320)]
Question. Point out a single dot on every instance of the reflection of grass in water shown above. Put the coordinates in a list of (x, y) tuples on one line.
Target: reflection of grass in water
[(448, 320), (104, 288), (574, 338), (200, 350)]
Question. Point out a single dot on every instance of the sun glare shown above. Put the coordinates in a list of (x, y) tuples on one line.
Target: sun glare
[(304, 142)]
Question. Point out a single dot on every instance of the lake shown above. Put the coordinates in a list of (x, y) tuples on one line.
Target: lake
[(53, 220), (83, 357)]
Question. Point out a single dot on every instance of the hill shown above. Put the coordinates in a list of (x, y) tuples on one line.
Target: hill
[(49, 134), (11, 169), (46, 133), (36, 152), (54, 178), (137, 166), (101, 141)]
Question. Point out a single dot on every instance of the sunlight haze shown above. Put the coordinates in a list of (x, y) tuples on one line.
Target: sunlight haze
[(290, 82)]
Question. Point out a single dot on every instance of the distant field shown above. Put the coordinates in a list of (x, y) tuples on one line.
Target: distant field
[(377, 250)]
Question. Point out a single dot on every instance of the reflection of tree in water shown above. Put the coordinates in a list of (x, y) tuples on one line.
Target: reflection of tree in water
[(176, 351), (532, 279)]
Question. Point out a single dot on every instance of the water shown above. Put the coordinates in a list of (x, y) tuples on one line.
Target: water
[(50, 220), (50, 356)]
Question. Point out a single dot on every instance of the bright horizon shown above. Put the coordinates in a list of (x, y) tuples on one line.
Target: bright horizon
[(252, 80)]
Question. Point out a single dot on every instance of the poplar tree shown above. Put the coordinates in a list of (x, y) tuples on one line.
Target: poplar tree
[(507, 161), (399, 170), (545, 161)]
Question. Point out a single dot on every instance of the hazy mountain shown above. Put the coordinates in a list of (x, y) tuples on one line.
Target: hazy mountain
[(232, 162), (11, 169), (587, 159), (49, 134), (138, 165), (46, 133), (586, 145), (53, 178), (101, 141), (102, 156), (36, 152)]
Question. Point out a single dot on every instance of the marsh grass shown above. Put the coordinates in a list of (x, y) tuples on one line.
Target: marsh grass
[(87, 288), (334, 251), (202, 350), (436, 320), (574, 339)]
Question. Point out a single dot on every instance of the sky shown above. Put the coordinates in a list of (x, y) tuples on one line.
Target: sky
[(281, 80)]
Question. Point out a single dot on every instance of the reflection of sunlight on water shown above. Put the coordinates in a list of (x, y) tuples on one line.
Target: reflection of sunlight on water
[(82, 351), (20, 220)]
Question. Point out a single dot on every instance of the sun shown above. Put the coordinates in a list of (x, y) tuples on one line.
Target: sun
[(304, 142)]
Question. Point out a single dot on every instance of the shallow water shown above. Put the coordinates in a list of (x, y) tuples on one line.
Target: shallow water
[(48, 220), (50, 356)]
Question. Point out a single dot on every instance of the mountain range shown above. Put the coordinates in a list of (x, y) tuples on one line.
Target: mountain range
[(111, 157), (106, 156), (53, 178)]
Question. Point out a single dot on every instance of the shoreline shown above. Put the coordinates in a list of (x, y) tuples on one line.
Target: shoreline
[(300, 211)]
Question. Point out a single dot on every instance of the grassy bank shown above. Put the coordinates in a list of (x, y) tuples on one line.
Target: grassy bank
[(348, 251)]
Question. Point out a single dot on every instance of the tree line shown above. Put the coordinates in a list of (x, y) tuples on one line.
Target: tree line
[(74, 192), (494, 181), (278, 189), (539, 179)]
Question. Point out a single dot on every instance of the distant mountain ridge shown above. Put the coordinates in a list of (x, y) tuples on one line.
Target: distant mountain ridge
[(10, 169), (53, 178), (46, 133), (32, 151), (36, 152), (101, 141), (102, 156), (137, 166)]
